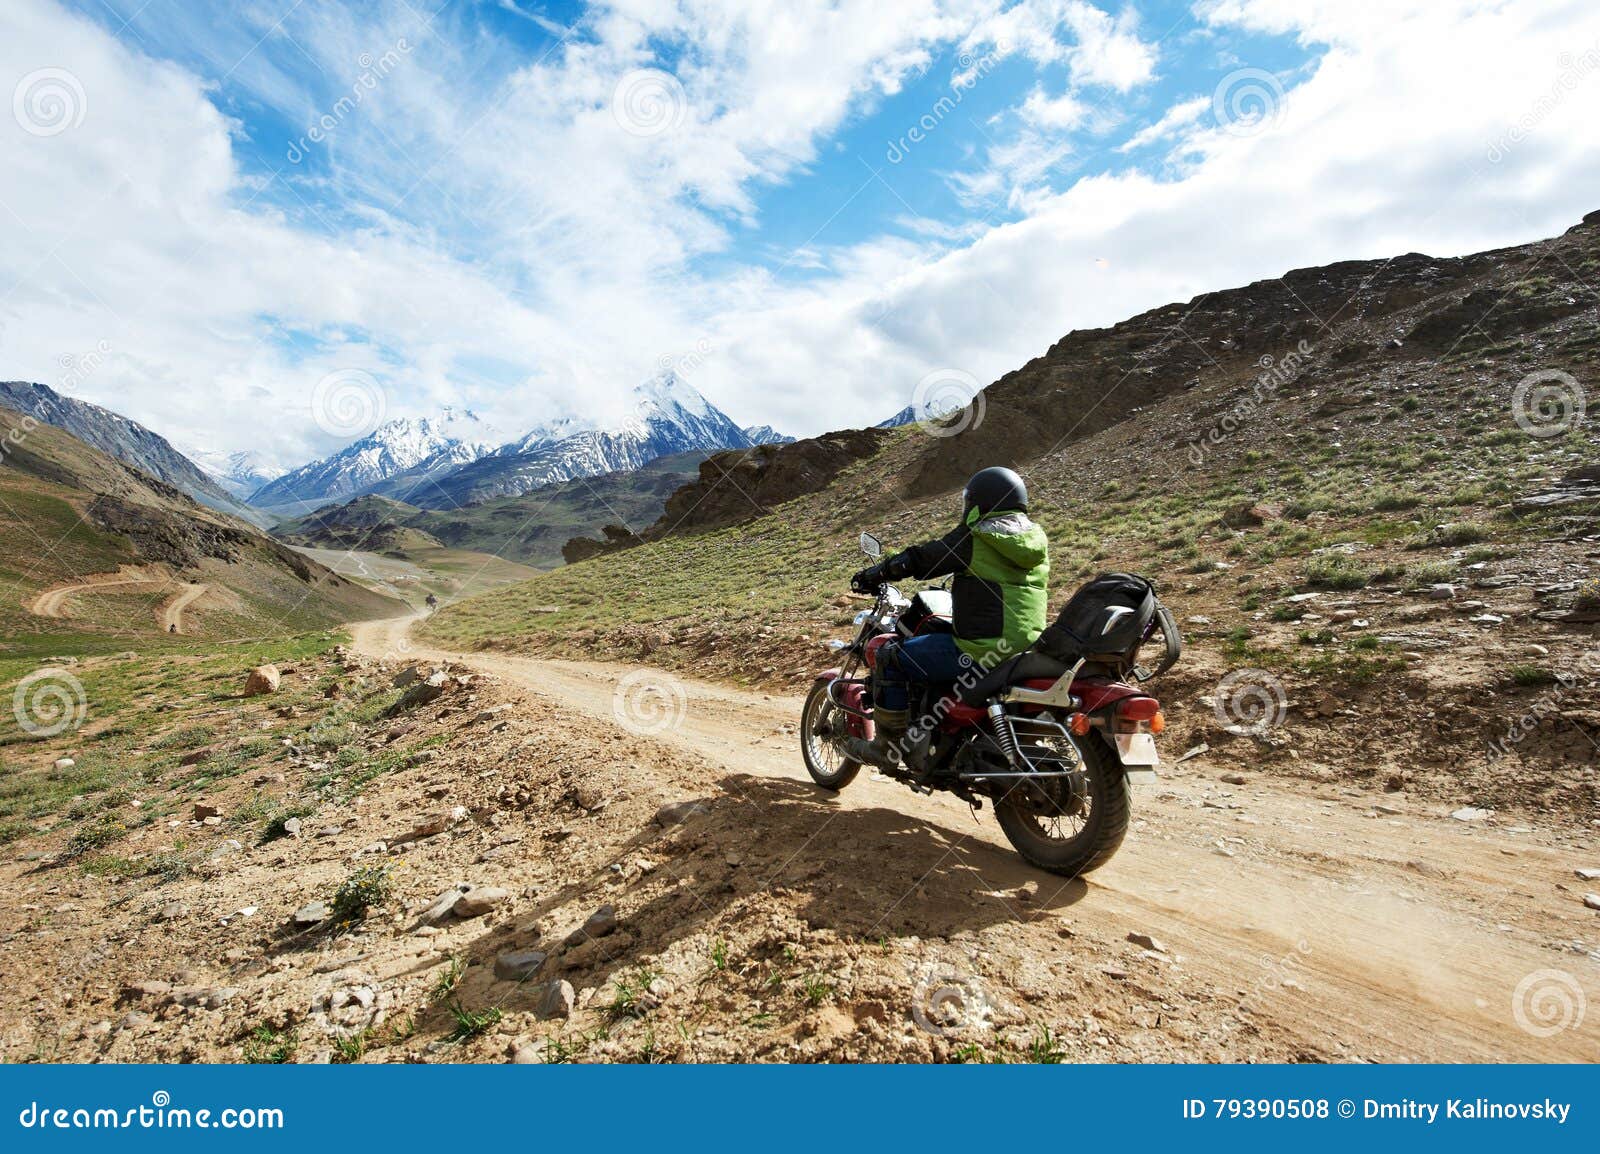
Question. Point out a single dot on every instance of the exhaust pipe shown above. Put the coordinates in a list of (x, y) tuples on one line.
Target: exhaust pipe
[(865, 752)]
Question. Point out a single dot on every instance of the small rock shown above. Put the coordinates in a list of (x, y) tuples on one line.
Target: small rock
[(480, 900), (1470, 813), (678, 812), (203, 811), (139, 991), (1145, 941), (291, 827), (311, 914), (196, 756), (133, 1020), (600, 923), (558, 1001), (262, 679), (1588, 875), (171, 912), (65, 763), (1234, 778), (420, 694), (518, 965), (1193, 752), (1441, 592), (1592, 901)]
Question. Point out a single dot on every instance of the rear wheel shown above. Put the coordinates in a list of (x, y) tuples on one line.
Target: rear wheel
[(1070, 825), (821, 725)]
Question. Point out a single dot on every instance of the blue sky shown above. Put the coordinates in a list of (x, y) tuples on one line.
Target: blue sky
[(806, 207)]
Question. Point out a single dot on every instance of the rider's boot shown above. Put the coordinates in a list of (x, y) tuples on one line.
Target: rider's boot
[(889, 734)]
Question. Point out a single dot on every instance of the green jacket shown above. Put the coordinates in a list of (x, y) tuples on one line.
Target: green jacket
[(1001, 565)]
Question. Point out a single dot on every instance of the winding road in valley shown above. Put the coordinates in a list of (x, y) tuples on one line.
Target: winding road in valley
[(53, 602), (1360, 925)]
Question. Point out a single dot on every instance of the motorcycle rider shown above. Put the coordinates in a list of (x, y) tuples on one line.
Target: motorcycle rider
[(1001, 564)]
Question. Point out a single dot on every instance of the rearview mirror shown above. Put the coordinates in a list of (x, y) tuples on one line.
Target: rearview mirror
[(871, 546)]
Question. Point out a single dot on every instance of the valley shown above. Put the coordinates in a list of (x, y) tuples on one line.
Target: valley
[(564, 818)]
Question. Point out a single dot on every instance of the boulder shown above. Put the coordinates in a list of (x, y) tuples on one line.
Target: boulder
[(262, 679), (479, 900)]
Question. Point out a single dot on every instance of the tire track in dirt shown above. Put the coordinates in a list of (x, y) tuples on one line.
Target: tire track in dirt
[(1399, 935)]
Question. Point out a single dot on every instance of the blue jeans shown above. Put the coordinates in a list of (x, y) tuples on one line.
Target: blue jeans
[(929, 657)]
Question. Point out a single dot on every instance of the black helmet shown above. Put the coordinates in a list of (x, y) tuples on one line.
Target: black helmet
[(994, 489)]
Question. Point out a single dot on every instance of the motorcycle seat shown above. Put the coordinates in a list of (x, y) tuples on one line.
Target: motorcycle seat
[(1028, 666)]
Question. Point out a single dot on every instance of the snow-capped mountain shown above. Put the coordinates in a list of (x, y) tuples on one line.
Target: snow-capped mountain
[(240, 473), (415, 449), (906, 416), (766, 435), (668, 415)]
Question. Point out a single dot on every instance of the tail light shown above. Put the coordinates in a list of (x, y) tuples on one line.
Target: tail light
[(1139, 715)]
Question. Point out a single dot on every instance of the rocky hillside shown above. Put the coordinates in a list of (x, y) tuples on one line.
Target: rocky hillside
[(127, 441), (93, 551), (530, 529)]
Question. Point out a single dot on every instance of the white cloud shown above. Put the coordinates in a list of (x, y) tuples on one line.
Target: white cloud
[(539, 241), (1179, 116)]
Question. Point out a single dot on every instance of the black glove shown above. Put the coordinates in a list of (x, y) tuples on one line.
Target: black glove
[(868, 580)]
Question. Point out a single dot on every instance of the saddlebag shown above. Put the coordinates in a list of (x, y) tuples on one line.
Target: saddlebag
[(1104, 624)]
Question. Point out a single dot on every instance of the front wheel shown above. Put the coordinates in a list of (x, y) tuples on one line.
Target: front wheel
[(821, 725), (1070, 825)]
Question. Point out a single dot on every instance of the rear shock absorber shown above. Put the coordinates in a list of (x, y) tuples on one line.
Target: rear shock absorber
[(1004, 734)]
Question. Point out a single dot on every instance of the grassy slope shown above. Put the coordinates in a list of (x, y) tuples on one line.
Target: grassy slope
[(47, 481)]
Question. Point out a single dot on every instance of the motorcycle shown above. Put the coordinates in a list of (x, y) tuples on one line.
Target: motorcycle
[(1054, 747)]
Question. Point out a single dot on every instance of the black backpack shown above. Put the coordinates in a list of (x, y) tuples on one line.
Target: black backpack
[(1106, 621)]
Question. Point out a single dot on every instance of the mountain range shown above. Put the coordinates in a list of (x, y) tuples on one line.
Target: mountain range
[(127, 441), (450, 462)]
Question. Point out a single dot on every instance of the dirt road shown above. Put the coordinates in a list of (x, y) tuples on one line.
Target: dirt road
[(172, 611), (53, 602), (129, 579), (1355, 924)]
